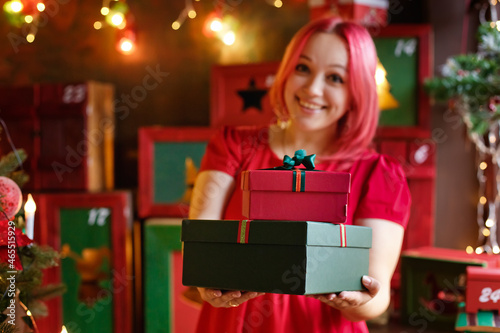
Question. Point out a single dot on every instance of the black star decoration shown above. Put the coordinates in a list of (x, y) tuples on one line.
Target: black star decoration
[(252, 97)]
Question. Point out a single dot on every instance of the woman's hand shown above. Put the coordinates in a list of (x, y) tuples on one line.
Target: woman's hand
[(351, 299), (226, 299)]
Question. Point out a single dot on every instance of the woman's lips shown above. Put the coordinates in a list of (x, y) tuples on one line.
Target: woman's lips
[(309, 107)]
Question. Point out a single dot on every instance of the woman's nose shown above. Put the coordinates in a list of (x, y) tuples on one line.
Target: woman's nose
[(314, 86)]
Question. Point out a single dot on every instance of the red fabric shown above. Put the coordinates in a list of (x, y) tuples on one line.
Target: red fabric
[(378, 190)]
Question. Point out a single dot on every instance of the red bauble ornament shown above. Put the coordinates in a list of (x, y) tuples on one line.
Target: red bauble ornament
[(11, 198)]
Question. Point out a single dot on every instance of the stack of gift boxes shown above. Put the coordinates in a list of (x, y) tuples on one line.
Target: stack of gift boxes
[(294, 241)]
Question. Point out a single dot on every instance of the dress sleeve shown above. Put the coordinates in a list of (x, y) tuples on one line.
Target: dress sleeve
[(385, 193), (223, 152)]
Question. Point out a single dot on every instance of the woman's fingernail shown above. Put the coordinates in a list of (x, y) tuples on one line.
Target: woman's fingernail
[(252, 295), (367, 280), (217, 293)]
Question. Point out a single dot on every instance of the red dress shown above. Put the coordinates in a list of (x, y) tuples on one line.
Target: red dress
[(378, 190)]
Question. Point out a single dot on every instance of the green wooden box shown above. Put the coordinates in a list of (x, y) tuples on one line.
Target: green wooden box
[(286, 257), (433, 285)]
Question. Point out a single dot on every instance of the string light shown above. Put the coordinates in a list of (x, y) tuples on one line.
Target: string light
[(30, 37), (469, 249), (116, 14), (15, 6), (40, 6), (483, 165), (176, 25), (191, 14), (489, 223), (229, 38), (278, 3)]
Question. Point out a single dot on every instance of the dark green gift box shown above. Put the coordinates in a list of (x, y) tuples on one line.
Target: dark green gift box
[(286, 257)]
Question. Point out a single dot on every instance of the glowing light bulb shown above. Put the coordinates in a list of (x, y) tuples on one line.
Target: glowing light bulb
[(229, 38), (479, 250), (192, 14), (30, 38), (126, 46), (117, 19), (63, 330), (489, 223), (97, 25), (469, 249), (40, 6), (104, 11), (28, 19), (278, 3), (486, 232), (483, 165), (16, 6), (176, 25), (496, 249), (216, 25)]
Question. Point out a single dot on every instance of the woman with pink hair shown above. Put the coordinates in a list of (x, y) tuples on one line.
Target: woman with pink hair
[(325, 100)]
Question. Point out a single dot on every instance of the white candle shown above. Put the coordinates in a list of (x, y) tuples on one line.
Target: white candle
[(29, 216), (64, 329)]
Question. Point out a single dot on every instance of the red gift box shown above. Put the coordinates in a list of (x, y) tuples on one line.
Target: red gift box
[(366, 12), (295, 195), (483, 289)]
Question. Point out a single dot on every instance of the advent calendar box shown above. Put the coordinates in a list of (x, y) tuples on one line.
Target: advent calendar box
[(483, 289), (433, 282), (285, 257), (368, 13), (67, 131), (295, 195)]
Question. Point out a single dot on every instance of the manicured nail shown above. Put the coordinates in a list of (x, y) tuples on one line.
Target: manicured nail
[(331, 297), (217, 293), (252, 295), (236, 295), (367, 280)]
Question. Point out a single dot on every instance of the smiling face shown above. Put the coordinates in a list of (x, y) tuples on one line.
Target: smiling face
[(317, 91)]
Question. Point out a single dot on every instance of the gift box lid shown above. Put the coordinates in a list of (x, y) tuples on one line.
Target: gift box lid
[(287, 180), (276, 233), (478, 273)]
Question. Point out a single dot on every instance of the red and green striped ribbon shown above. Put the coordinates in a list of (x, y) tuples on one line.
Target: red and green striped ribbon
[(243, 229), (343, 236), (299, 181)]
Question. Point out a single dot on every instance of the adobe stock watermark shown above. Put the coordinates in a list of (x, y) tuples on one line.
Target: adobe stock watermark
[(52, 8), (121, 281), (128, 101)]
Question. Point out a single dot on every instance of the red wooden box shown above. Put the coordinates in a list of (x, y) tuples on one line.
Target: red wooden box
[(372, 13), (67, 131), (295, 195), (483, 289)]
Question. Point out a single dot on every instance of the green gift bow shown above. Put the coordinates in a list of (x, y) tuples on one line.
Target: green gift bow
[(298, 158)]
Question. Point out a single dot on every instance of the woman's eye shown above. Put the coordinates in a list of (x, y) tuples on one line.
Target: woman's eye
[(301, 68), (335, 78)]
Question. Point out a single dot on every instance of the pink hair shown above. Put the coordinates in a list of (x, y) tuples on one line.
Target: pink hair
[(357, 128)]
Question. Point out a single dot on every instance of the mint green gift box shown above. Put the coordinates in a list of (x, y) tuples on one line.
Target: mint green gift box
[(286, 257)]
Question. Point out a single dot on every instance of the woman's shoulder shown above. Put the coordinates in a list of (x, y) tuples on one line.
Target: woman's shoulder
[(243, 136), (380, 163)]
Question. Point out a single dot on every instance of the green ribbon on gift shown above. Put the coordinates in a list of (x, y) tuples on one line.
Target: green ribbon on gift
[(298, 158)]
